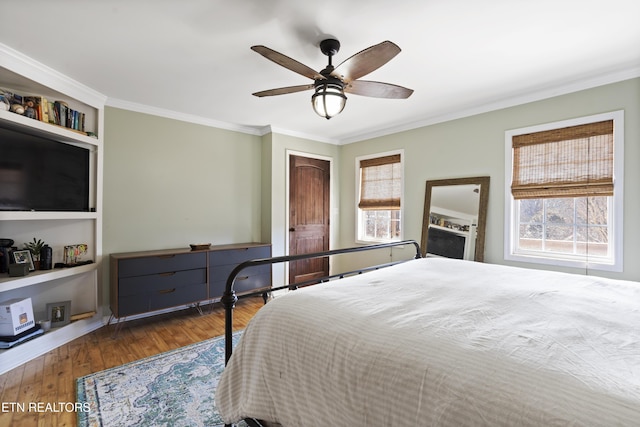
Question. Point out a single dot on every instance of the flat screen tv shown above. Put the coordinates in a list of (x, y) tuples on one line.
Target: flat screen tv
[(445, 243), (39, 174)]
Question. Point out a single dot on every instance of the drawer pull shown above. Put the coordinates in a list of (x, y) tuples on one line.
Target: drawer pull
[(167, 291), (170, 273)]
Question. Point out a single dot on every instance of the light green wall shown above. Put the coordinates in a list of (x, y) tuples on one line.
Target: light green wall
[(168, 183), (267, 186), (475, 146)]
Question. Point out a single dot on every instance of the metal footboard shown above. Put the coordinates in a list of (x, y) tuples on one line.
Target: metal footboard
[(229, 297)]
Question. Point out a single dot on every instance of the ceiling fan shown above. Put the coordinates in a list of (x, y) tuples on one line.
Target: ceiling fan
[(331, 83)]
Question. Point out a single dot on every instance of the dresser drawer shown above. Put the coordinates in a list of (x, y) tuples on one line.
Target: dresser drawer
[(161, 264), (186, 295), (236, 256), (142, 303), (220, 273), (161, 282), (249, 279)]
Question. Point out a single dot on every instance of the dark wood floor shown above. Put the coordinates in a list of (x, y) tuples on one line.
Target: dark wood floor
[(51, 378)]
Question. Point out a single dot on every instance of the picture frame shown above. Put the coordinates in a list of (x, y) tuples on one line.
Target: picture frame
[(74, 253), (24, 257), (59, 313)]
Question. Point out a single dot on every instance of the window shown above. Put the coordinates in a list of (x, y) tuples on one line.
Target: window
[(564, 198), (379, 209)]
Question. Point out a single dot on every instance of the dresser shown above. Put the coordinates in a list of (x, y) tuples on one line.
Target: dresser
[(223, 259), (146, 281)]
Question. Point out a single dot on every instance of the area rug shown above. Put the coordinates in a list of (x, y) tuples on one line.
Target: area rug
[(175, 388)]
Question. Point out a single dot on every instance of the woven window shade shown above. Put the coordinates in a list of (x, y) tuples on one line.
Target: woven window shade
[(380, 183), (575, 161)]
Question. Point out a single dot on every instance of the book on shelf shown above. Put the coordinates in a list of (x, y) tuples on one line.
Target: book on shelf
[(68, 117), (44, 109), (54, 112), (54, 118), (61, 113), (31, 106), (17, 99), (40, 105)]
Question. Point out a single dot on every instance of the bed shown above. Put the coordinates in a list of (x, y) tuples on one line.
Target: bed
[(441, 342)]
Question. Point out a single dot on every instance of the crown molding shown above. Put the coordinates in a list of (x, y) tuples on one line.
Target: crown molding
[(302, 135), (521, 99), (190, 118), (29, 68)]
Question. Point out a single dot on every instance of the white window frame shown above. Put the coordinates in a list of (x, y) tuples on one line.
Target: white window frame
[(511, 221), (359, 212)]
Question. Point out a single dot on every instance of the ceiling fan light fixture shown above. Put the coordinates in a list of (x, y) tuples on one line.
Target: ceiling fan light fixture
[(330, 84), (329, 98)]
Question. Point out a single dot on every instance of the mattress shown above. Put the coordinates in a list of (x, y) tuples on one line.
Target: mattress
[(442, 342)]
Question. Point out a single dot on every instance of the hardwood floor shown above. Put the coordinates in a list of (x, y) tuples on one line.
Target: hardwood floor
[(50, 378)]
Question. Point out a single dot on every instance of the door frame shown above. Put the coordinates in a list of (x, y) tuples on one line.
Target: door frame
[(288, 154)]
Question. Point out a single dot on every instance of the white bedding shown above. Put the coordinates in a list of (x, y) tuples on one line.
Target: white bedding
[(440, 342)]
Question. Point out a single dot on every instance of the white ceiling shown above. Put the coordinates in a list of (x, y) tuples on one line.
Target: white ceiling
[(191, 58)]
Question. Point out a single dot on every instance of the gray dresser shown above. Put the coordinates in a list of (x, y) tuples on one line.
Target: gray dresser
[(153, 280)]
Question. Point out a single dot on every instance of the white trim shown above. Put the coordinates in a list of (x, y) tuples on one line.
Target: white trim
[(357, 193), (618, 197), (513, 101), (271, 129), (115, 321), (189, 118), (199, 120), (20, 354), (27, 67)]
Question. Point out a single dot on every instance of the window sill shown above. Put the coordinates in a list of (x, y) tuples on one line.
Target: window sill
[(564, 262), (375, 241)]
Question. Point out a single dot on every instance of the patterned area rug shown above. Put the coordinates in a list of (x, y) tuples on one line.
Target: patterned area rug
[(175, 388)]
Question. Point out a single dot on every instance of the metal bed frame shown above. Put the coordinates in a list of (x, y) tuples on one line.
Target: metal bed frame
[(229, 298)]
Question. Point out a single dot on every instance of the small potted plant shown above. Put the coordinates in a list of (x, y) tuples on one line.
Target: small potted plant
[(35, 247)]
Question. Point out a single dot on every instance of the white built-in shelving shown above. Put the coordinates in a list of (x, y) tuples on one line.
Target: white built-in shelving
[(81, 285)]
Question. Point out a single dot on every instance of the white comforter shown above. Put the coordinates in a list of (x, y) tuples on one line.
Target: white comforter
[(439, 342)]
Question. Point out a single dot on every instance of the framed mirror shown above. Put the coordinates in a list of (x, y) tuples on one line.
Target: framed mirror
[(455, 216)]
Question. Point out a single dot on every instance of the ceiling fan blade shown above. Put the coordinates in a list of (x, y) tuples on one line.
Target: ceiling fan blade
[(377, 89), (364, 62), (287, 62), (283, 90)]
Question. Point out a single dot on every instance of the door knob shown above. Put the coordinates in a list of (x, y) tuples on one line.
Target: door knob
[(292, 229)]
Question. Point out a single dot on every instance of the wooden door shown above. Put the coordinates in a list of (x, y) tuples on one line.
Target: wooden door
[(308, 216)]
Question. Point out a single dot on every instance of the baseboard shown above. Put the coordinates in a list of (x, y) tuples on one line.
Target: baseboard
[(109, 319), (22, 353)]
